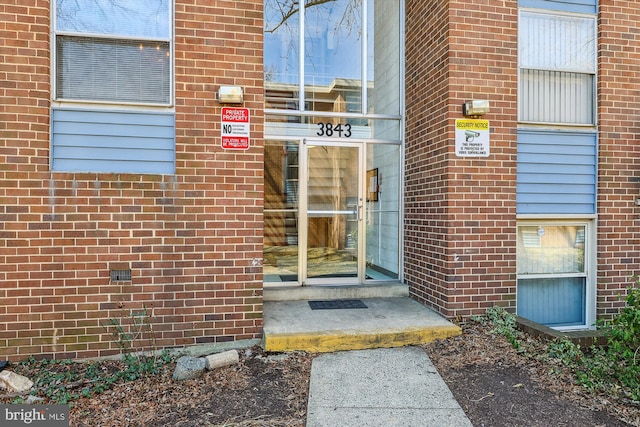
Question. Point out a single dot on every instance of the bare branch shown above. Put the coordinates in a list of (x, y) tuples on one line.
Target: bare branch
[(293, 9)]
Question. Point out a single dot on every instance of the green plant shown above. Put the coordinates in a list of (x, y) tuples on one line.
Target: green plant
[(564, 350), (623, 331), (619, 359), (63, 381), (134, 336), (133, 332), (614, 367), (504, 324)]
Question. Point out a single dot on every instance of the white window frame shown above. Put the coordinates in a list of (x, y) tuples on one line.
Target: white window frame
[(124, 105), (592, 71), (590, 261)]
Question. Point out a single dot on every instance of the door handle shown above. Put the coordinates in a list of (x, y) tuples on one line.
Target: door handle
[(359, 212)]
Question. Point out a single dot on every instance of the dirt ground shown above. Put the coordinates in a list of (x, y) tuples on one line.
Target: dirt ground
[(498, 386), (494, 384)]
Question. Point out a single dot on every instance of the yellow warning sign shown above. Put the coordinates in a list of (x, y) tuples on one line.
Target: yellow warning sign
[(472, 138)]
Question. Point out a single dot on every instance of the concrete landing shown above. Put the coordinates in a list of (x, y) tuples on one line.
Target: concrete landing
[(386, 322), (382, 387)]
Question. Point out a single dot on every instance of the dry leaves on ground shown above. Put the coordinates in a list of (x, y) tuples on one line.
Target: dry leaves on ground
[(495, 385)]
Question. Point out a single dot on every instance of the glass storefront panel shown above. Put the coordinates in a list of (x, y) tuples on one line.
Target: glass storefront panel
[(383, 211), (280, 246), (281, 207), (319, 56), (382, 245), (383, 56), (281, 56), (327, 127), (333, 56)]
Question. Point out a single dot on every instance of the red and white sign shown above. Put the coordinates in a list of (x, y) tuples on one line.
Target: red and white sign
[(235, 128)]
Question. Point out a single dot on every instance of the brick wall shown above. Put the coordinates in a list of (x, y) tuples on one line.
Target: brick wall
[(619, 150), (460, 212), (191, 240)]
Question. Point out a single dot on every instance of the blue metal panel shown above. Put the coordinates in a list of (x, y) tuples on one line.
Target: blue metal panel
[(112, 141), (578, 6), (556, 172)]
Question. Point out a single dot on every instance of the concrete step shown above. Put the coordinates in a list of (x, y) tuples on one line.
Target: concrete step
[(378, 290), (384, 323)]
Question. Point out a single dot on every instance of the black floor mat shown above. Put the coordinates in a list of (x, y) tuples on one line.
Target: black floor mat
[(294, 277), (337, 304)]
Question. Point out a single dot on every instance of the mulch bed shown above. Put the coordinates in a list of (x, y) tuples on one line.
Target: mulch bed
[(495, 385)]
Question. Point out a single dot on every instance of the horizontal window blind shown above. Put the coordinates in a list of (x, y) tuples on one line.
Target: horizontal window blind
[(553, 302), (115, 70)]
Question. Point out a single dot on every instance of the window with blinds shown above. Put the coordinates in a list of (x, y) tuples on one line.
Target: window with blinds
[(557, 68), (113, 51), (553, 274)]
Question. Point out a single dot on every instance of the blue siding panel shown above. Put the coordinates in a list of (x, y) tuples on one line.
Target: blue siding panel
[(536, 178), (556, 172), (571, 190), (567, 169), (577, 6), (107, 153), (112, 142)]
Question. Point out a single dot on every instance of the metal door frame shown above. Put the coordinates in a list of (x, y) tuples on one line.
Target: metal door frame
[(304, 214)]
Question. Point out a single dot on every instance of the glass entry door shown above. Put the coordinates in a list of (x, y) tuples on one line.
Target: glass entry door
[(332, 213)]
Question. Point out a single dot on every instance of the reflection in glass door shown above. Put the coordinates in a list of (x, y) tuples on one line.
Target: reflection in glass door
[(331, 212), (334, 203), (281, 211)]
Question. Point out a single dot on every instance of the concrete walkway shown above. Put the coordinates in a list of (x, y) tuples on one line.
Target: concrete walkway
[(381, 387)]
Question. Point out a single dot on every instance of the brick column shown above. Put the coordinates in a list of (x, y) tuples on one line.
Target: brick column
[(619, 150), (460, 234)]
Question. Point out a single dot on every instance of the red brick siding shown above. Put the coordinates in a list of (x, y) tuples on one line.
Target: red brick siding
[(619, 150), (189, 239), (426, 158), (460, 212)]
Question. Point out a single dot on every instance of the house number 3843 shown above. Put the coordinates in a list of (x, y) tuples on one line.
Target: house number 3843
[(329, 129)]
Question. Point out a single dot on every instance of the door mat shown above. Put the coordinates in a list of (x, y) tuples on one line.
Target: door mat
[(337, 304), (294, 277)]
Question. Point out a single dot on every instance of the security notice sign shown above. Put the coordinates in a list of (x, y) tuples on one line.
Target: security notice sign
[(235, 128), (472, 138)]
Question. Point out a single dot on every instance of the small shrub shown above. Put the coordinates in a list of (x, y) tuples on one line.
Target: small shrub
[(63, 381), (619, 360), (133, 332), (613, 368)]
